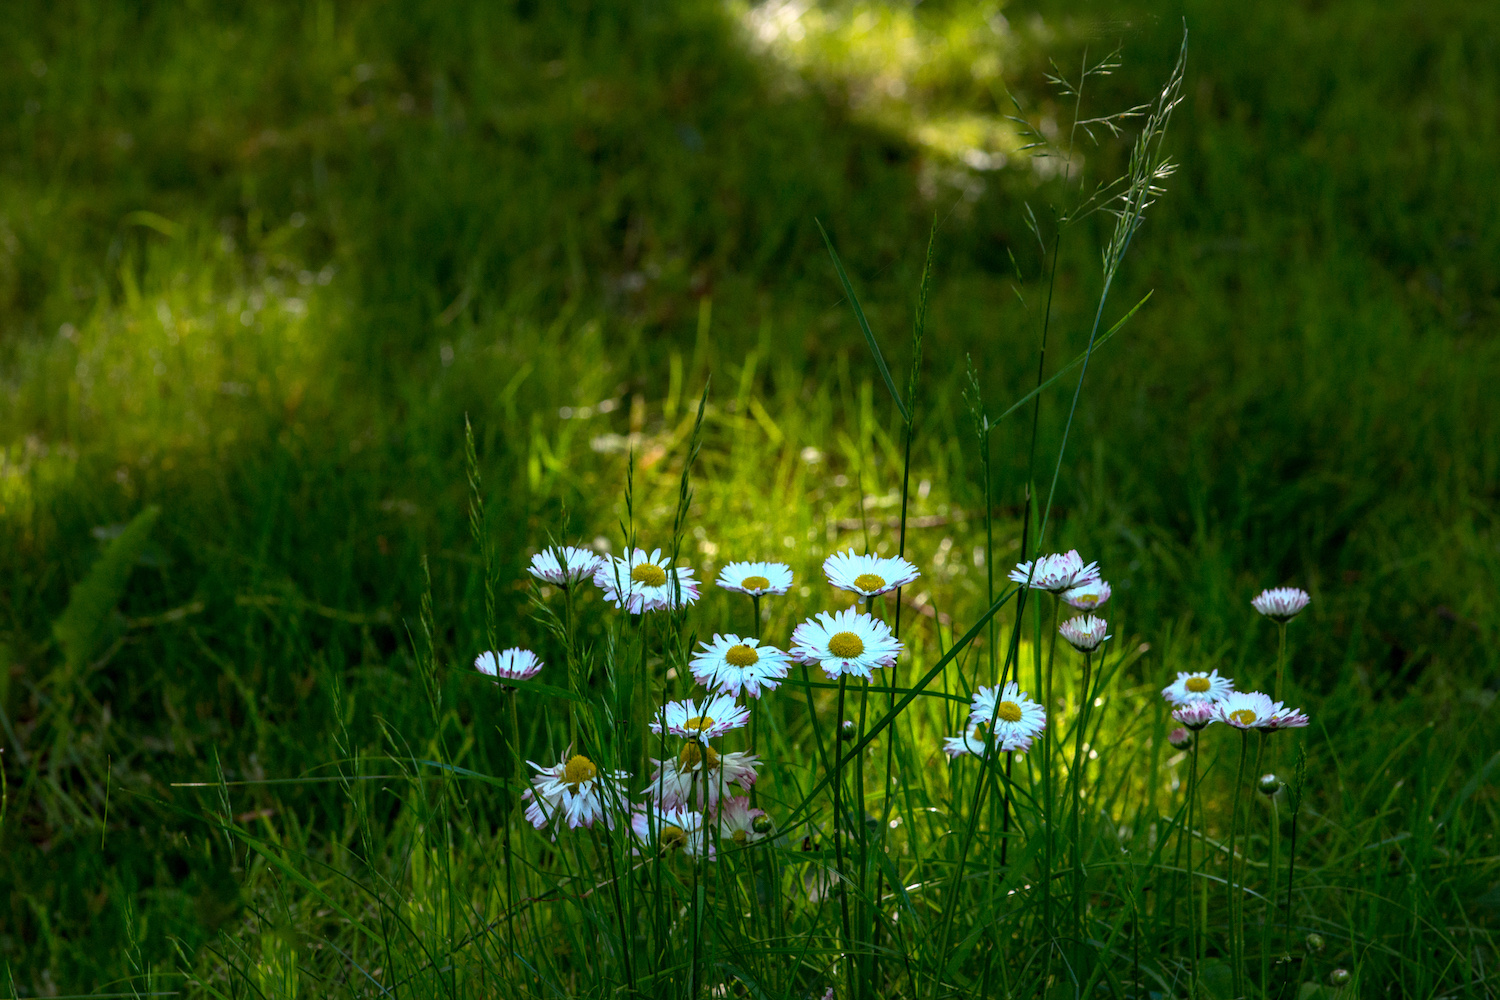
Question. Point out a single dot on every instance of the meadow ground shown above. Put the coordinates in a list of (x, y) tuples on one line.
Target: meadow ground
[(259, 262)]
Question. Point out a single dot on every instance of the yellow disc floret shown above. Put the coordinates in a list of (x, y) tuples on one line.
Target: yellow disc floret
[(1244, 717), (578, 770), (755, 583), (649, 574), (741, 655), (1008, 711), (673, 837), (869, 582), (699, 722), (1197, 685), (846, 645), (692, 755)]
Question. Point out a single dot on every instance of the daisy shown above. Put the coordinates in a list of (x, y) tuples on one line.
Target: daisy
[(1084, 633), (972, 741), (676, 830), (1180, 738), (699, 776), (868, 576), (1012, 714), (756, 578), (564, 565), (1281, 604), (641, 582), (740, 822), (732, 664), (845, 642), (702, 720), (1196, 715), (1195, 685), (574, 790), (1088, 596), (1056, 573), (515, 664), (1254, 710)]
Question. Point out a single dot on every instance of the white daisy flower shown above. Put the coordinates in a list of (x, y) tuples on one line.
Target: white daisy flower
[(564, 565), (732, 665), (1088, 596), (699, 776), (1056, 573), (1084, 633), (641, 582), (756, 578), (702, 720), (575, 791), (675, 830), (1196, 715), (868, 576), (1195, 685), (1011, 713), (738, 821), (1254, 710), (972, 741), (845, 642), (1281, 604), (515, 664)]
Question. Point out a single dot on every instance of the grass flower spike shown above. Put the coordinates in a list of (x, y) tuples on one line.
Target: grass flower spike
[(757, 579), (513, 664), (1087, 596), (1056, 573), (1011, 714), (641, 582), (574, 791), (699, 776), (1254, 710), (1192, 686), (737, 821), (564, 565), (1197, 715), (730, 665), (1084, 633), (1281, 604), (702, 720), (845, 642), (868, 576)]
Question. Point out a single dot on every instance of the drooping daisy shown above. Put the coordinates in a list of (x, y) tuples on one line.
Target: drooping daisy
[(1084, 633), (1196, 715), (972, 741), (1180, 738), (731, 665), (670, 830), (703, 719), (1195, 685), (756, 578), (699, 776), (1056, 573), (574, 791), (1255, 710), (738, 821), (1010, 714), (641, 582), (564, 565), (868, 576), (514, 664), (845, 642), (1281, 604), (1087, 596)]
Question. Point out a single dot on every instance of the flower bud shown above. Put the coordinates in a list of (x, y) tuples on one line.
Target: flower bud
[(846, 731), (761, 824), (1269, 784), (1339, 977), (1316, 943), (1180, 738)]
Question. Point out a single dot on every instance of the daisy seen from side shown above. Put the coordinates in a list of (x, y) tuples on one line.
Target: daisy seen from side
[(1084, 633), (574, 791), (758, 579), (1087, 596), (868, 576), (514, 664), (1056, 573), (701, 719), (564, 565), (1281, 604), (1009, 713), (1256, 710), (699, 776), (1197, 686)]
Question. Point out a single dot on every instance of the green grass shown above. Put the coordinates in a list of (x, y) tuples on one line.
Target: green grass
[(257, 262)]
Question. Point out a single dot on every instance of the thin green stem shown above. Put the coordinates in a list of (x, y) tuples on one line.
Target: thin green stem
[(1229, 883), (1049, 834), (838, 846), (1193, 926), (1270, 919), (1076, 780)]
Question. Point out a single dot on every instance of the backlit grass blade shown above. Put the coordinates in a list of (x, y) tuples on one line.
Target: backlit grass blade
[(864, 325)]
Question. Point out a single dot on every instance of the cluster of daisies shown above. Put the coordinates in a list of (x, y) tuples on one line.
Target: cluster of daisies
[(699, 790), (1199, 698)]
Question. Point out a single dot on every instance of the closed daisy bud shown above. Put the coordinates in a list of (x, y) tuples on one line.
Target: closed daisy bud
[(1339, 977), (1268, 785), (1316, 943), (1281, 604), (762, 824), (1181, 738), (846, 730), (1084, 633), (1196, 715), (1056, 573)]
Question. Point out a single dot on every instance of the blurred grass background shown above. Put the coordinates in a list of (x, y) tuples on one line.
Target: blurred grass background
[(257, 261)]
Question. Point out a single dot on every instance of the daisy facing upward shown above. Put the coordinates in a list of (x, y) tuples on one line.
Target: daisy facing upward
[(846, 642), (640, 582), (730, 665), (572, 791), (1195, 685)]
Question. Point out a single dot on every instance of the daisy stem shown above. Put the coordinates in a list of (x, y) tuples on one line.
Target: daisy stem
[(755, 623), (510, 868), (1192, 871), (1050, 834), (571, 662), (1265, 930), (1234, 828), (1076, 780), (1280, 659), (838, 846)]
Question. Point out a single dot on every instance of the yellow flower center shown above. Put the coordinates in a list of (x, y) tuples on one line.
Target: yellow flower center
[(741, 656), (650, 574), (578, 770), (699, 722), (1085, 600), (691, 756), (739, 836), (1197, 685), (846, 645), (755, 583), (1008, 711), (1244, 717), (673, 837), (869, 582)]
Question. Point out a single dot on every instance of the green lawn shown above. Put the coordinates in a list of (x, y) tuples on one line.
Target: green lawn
[(259, 262)]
